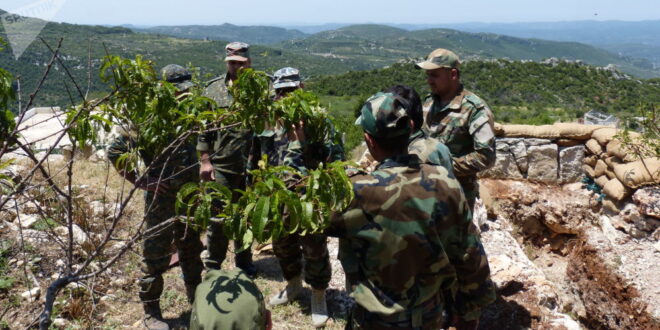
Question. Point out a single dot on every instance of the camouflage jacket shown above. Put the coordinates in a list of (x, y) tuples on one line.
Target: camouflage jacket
[(465, 126), (408, 237), (228, 148), (429, 150), (275, 144), (177, 168)]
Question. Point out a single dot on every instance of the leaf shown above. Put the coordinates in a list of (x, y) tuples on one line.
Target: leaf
[(260, 217)]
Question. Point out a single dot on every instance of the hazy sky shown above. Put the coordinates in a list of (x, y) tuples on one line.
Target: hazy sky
[(304, 12)]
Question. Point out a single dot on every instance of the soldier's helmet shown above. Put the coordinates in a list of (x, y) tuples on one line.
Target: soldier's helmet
[(237, 51), (286, 78), (384, 116), (177, 75)]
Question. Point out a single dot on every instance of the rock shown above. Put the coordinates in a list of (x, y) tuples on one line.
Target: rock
[(60, 263), (542, 163), (570, 164), (20, 263), (657, 246), (505, 166), (35, 237), (619, 223), (120, 282), (647, 224), (564, 322), (12, 261), (518, 149), (28, 220), (105, 298), (648, 200), (59, 322), (99, 156), (536, 142), (79, 235), (98, 208), (31, 207), (31, 295), (36, 260)]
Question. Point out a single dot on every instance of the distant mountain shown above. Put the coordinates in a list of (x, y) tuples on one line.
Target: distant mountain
[(311, 29), (262, 35), (634, 39), (379, 45)]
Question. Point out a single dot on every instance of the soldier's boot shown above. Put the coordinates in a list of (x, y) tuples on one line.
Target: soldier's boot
[(153, 319), (319, 308), (292, 290)]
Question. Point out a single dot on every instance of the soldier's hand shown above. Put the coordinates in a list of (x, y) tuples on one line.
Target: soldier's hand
[(206, 171), (149, 183), (297, 132)]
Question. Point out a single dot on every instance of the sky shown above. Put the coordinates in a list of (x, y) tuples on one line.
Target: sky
[(315, 12)]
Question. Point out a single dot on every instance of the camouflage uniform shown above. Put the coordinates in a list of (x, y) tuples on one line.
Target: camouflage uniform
[(228, 299), (429, 150), (229, 150), (407, 244), (465, 126), (291, 249), (180, 168)]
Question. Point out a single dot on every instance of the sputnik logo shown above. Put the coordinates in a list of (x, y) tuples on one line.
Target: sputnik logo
[(21, 26)]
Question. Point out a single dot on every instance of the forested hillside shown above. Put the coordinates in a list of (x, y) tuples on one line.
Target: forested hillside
[(518, 91), (379, 45), (263, 35)]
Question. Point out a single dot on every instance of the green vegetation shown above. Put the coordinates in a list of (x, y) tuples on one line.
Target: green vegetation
[(6, 281), (518, 92)]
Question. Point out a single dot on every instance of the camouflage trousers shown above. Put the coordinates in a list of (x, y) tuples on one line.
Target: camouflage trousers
[(217, 242), (157, 248), (429, 316), (290, 251)]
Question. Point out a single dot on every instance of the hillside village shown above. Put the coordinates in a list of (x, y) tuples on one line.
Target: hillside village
[(569, 214)]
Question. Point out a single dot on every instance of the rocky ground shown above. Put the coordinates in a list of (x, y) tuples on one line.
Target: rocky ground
[(559, 260)]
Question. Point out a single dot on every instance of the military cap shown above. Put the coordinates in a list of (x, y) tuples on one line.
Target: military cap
[(237, 51), (440, 58), (228, 299), (286, 77), (382, 116), (177, 75)]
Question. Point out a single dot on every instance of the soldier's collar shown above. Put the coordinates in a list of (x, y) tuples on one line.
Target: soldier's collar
[(455, 103), (406, 160)]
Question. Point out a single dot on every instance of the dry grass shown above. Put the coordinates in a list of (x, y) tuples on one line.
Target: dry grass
[(111, 300)]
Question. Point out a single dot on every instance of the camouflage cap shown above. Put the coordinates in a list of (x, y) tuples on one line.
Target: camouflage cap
[(381, 116), (440, 58), (286, 77), (237, 51), (177, 75)]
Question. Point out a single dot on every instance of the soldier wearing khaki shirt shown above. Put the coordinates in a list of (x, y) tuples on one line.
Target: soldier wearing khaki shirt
[(459, 119)]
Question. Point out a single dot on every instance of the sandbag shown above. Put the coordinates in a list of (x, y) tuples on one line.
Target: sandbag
[(616, 148), (499, 129), (639, 173), (532, 131), (588, 170), (604, 135), (575, 131), (594, 147), (616, 190), (591, 160), (602, 180), (610, 173), (600, 168), (611, 205), (611, 161), (568, 142)]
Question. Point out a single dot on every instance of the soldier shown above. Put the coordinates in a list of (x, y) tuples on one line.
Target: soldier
[(228, 299), (428, 149), (292, 249), (161, 183), (407, 246), (459, 119), (223, 156)]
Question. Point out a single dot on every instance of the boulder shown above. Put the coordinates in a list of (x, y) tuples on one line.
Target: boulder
[(79, 235), (505, 166), (570, 164), (28, 220), (31, 295), (542, 163), (35, 237), (648, 201), (536, 142)]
